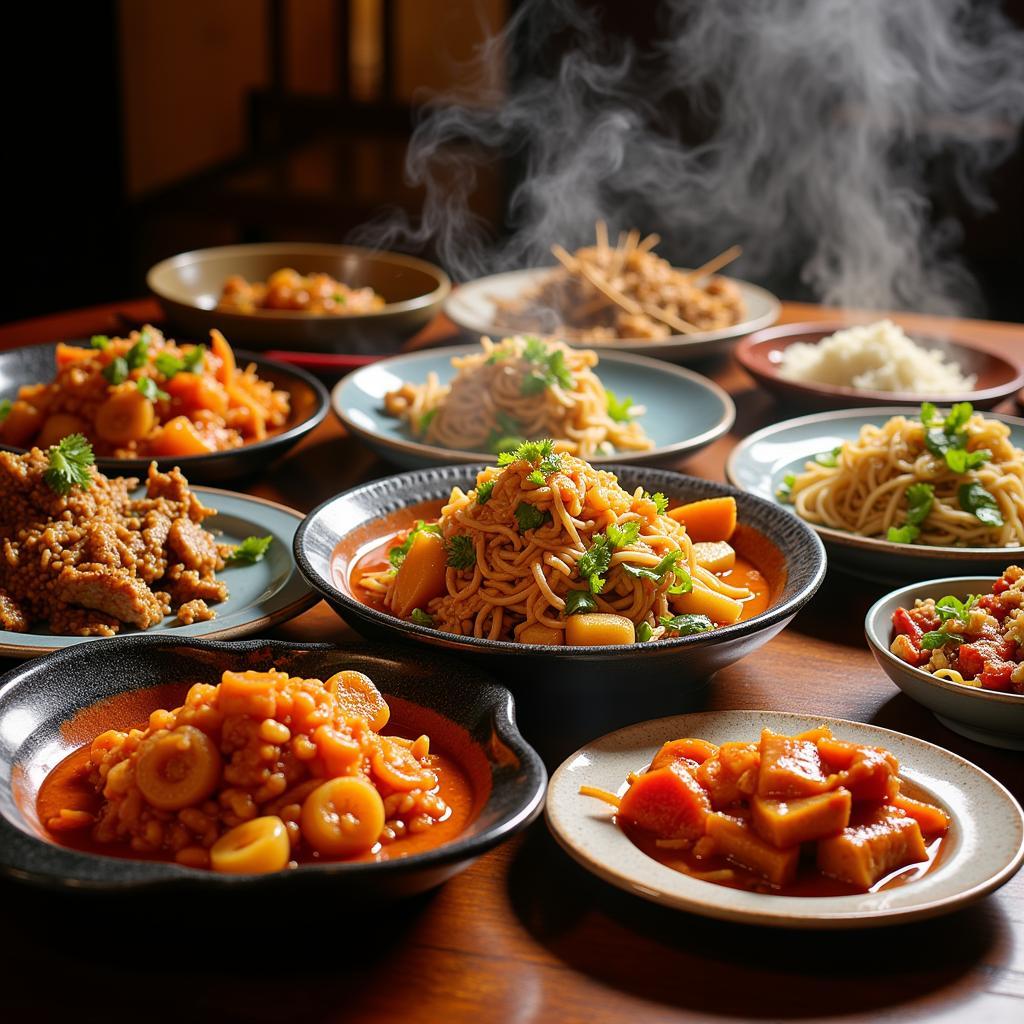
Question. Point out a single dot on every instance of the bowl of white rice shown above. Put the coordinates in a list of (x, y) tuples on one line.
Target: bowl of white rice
[(833, 365)]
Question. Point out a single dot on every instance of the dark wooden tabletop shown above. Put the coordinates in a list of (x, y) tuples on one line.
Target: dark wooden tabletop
[(525, 934)]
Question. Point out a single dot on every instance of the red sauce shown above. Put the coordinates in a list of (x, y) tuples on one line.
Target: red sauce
[(464, 785), (350, 561)]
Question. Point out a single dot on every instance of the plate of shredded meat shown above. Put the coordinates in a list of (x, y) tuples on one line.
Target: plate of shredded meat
[(85, 555)]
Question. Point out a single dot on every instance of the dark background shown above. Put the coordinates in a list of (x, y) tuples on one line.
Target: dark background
[(136, 130)]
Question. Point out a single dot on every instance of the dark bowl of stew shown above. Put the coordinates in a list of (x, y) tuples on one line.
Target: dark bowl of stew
[(53, 707)]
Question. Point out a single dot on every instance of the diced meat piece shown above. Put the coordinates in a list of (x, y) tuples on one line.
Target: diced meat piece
[(790, 767), (101, 544), (668, 803), (933, 820), (193, 546), (195, 611), (736, 841), (785, 823), (863, 854), (730, 774), (126, 598), (694, 751), (11, 616)]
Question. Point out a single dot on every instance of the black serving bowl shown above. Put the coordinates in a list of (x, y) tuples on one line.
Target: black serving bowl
[(309, 404), (786, 550), (52, 705)]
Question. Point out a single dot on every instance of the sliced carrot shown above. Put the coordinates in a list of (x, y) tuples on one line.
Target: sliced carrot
[(198, 391), (222, 350), (933, 820), (669, 803), (68, 354), (239, 398), (683, 750), (709, 519)]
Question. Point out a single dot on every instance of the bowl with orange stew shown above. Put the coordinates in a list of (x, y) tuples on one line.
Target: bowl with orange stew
[(594, 580), (216, 412), (256, 763)]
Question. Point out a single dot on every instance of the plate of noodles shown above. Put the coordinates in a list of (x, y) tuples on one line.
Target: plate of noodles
[(548, 565), (897, 493), (468, 403), (622, 296)]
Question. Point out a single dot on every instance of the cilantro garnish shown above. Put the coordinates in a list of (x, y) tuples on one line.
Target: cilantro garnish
[(947, 438), (548, 465), (116, 371), (529, 517), (681, 584), (939, 638), (69, 464), (148, 389), (975, 499), (623, 536), (660, 501), (620, 410), (547, 370), (250, 551), (483, 492), (949, 608), (461, 552), (138, 354), (5, 408), (644, 632), (784, 492), (421, 618), (579, 601), (396, 555), (920, 499), (686, 625), (528, 451), (594, 562), (100, 341)]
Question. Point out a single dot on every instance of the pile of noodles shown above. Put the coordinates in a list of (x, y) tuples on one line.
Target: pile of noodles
[(865, 491), (501, 393), (520, 577)]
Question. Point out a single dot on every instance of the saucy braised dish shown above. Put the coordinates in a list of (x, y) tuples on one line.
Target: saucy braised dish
[(800, 815), (146, 396), (546, 549), (287, 289), (976, 641), (518, 389), (82, 556), (256, 774)]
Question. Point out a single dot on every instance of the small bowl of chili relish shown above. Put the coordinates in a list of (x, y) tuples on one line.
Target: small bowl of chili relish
[(956, 645)]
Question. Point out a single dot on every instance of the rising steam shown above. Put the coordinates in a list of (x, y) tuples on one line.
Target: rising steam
[(829, 122)]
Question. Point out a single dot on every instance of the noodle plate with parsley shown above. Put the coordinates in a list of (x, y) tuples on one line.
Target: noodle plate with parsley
[(545, 549)]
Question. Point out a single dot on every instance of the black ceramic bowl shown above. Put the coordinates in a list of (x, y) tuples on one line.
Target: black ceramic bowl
[(309, 403), (52, 705), (793, 560)]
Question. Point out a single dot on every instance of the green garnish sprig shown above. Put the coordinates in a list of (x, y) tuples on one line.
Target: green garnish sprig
[(461, 552), (396, 555), (947, 438), (70, 464), (547, 368), (170, 365), (687, 625), (920, 499), (619, 409), (250, 551)]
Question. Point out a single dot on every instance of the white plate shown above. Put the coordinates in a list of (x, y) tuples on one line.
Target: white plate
[(986, 842), (471, 307)]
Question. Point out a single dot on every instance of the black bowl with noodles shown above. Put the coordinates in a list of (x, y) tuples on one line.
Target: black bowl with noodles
[(660, 675), (51, 706), (35, 364)]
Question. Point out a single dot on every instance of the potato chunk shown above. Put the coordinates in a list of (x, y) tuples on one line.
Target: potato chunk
[(714, 555), (786, 823), (667, 802), (701, 601), (790, 767), (862, 854), (421, 576), (599, 629), (736, 840)]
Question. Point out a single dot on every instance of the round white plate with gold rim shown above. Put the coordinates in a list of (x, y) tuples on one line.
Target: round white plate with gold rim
[(259, 595), (983, 850)]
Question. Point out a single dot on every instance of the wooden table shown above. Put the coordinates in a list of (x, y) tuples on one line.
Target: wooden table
[(525, 935)]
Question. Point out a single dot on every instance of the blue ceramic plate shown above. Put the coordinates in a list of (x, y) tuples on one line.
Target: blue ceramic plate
[(260, 595), (685, 411), (759, 464)]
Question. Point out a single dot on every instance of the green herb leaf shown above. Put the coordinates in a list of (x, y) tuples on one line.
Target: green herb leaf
[(829, 459), (116, 371), (548, 368), (69, 464), (483, 492), (396, 555), (250, 551), (148, 389), (947, 439), (138, 354), (194, 358), (939, 638), (5, 408), (579, 601), (623, 536), (341, 298), (461, 552), (528, 451), (687, 625), (660, 501), (930, 414), (949, 607), (981, 503), (426, 419), (529, 517), (644, 632), (100, 341), (784, 492), (168, 364), (620, 410), (960, 460), (920, 499), (595, 561), (421, 618), (903, 534)]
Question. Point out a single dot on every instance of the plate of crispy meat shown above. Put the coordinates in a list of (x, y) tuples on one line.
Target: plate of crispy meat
[(85, 555)]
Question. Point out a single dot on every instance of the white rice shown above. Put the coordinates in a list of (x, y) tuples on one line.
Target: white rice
[(875, 357)]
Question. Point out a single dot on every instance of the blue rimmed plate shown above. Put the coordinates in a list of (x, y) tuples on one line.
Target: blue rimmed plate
[(684, 411), (760, 463), (260, 595)]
